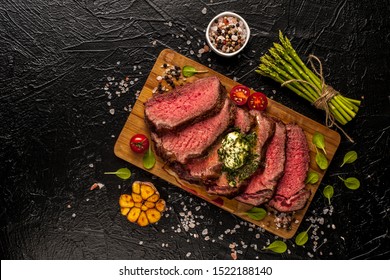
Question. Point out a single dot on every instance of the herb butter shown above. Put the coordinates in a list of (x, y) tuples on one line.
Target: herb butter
[(234, 150)]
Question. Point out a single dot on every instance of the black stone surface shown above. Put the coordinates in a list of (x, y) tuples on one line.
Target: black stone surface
[(57, 133)]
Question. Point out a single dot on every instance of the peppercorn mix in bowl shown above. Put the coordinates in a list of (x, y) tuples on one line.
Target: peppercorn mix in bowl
[(227, 34)]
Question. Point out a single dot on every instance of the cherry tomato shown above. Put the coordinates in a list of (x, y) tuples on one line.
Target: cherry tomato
[(239, 94), (257, 101), (139, 143)]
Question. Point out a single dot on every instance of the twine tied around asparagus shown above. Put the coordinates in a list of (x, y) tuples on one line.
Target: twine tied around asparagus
[(326, 93)]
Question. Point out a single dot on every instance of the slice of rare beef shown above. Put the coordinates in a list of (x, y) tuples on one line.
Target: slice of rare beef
[(185, 105), (264, 129), (222, 187), (293, 203), (290, 193), (262, 185), (193, 141), (243, 120), (203, 169)]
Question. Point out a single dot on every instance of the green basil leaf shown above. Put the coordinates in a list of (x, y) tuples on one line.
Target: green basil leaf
[(321, 161), (328, 192), (277, 247), (312, 177), (351, 183), (319, 141), (349, 157), (256, 213), (123, 173), (189, 71), (303, 237), (149, 159)]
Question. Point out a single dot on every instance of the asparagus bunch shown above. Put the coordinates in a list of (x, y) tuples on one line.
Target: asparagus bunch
[(283, 65)]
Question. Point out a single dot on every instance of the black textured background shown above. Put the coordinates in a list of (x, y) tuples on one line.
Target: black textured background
[(57, 133)]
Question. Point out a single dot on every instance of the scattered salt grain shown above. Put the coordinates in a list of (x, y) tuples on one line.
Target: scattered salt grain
[(188, 254), (112, 111), (141, 242), (205, 231), (73, 215), (91, 165), (204, 10)]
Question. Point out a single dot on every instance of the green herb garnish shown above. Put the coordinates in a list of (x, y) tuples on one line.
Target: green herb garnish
[(149, 160), (351, 183), (277, 247), (302, 238), (237, 157), (189, 71), (319, 141), (123, 173), (321, 161), (328, 192), (312, 177), (256, 213), (349, 157)]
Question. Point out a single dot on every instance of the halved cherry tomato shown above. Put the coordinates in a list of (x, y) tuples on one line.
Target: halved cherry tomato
[(139, 143), (239, 94), (257, 101)]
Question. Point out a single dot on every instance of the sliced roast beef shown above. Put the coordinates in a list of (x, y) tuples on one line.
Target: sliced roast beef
[(290, 193), (193, 141), (185, 105), (201, 169), (262, 185), (243, 120), (264, 129), (222, 187), (293, 203)]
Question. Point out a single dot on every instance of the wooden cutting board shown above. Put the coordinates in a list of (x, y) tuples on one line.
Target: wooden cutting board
[(135, 124)]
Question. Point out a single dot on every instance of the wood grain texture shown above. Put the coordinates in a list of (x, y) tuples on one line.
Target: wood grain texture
[(135, 124)]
